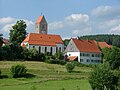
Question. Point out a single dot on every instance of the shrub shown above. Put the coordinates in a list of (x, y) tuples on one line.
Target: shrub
[(70, 66), (18, 71), (55, 61)]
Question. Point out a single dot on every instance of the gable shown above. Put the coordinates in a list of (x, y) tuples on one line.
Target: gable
[(71, 47), (41, 19)]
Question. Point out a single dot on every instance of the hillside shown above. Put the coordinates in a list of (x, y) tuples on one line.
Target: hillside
[(111, 39), (46, 77)]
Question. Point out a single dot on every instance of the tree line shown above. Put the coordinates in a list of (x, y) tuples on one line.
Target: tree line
[(111, 39)]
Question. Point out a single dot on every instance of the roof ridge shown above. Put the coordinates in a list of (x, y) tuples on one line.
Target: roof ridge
[(45, 34)]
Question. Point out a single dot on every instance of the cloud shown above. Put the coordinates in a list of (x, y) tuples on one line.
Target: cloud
[(6, 20), (72, 20), (102, 10), (6, 28), (30, 26), (56, 25), (76, 18), (106, 12), (115, 30), (72, 25), (6, 24)]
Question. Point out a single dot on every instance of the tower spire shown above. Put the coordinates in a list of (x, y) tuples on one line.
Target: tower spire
[(41, 25)]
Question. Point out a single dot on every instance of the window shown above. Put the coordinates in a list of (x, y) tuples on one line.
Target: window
[(88, 54), (80, 54), (56, 49), (39, 49), (88, 60), (92, 55), (83, 54), (99, 55), (92, 60), (96, 55), (45, 49), (81, 60), (33, 46), (60, 49), (51, 50)]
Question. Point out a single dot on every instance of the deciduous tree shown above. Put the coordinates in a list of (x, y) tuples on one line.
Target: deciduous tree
[(18, 32), (112, 55), (102, 78)]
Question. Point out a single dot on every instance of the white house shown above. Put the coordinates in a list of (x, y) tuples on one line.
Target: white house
[(84, 51), (42, 41)]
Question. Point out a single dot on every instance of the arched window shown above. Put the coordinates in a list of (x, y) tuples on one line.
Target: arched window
[(39, 49), (56, 49), (60, 49), (51, 50), (45, 49)]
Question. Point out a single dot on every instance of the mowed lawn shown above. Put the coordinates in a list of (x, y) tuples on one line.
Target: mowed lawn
[(47, 77)]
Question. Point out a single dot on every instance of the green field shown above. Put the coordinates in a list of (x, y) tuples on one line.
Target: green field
[(47, 77)]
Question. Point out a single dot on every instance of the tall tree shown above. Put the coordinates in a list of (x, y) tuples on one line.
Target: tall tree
[(18, 33), (1, 42)]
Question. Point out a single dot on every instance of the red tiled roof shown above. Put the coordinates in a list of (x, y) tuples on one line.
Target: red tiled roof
[(43, 39), (103, 45), (39, 19), (72, 58), (86, 46)]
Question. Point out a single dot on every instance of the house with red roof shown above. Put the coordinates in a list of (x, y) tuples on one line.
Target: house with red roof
[(83, 51), (103, 45), (42, 41)]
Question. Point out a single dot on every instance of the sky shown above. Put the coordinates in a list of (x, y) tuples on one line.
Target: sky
[(68, 18)]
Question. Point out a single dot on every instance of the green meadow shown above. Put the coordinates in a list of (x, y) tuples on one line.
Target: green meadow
[(45, 77)]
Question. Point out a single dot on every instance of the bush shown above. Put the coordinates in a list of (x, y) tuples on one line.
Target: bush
[(70, 66), (18, 71), (55, 61)]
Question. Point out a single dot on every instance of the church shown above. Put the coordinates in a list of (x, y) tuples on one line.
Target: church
[(42, 41)]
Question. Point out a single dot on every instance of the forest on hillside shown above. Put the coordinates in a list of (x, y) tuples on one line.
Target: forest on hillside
[(111, 39)]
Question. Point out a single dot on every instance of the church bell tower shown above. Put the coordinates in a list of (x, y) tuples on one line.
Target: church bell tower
[(41, 25)]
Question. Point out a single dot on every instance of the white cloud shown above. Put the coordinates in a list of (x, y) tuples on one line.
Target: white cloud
[(102, 10), (72, 25), (6, 20), (6, 24), (72, 20), (30, 26), (106, 12), (56, 25), (7, 28), (115, 30), (77, 18)]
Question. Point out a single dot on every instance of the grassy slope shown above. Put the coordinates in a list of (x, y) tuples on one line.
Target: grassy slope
[(55, 75)]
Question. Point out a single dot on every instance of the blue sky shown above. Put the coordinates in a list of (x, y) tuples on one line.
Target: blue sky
[(68, 18)]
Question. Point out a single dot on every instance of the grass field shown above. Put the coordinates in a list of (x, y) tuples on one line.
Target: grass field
[(47, 77)]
